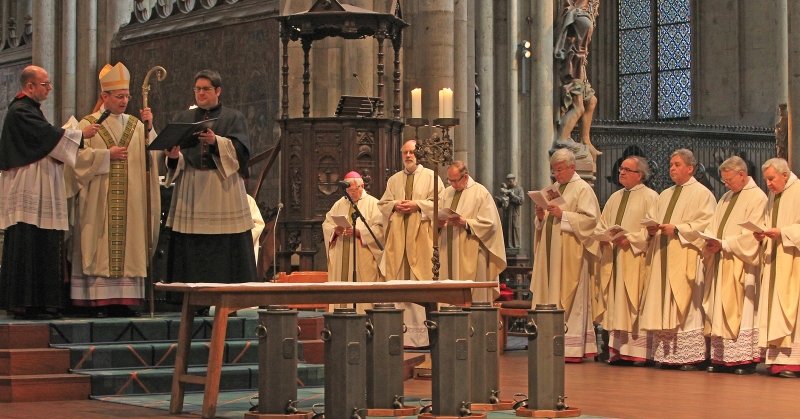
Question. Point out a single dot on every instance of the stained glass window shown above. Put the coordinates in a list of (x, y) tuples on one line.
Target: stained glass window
[(654, 60)]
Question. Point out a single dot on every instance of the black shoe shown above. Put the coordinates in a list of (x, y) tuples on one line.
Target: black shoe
[(787, 374), (718, 368), (688, 367), (202, 312), (744, 370), (122, 311)]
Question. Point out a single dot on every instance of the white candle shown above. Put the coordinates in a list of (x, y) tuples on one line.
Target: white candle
[(446, 103), (416, 103)]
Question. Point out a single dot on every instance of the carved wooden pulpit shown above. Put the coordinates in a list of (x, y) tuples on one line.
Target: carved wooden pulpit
[(318, 151)]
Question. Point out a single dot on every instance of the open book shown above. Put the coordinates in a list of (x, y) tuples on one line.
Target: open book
[(446, 213), (547, 197), (610, 234), (749, 225), (341, 221), (649, 222)]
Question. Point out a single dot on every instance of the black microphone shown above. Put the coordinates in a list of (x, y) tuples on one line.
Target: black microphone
[(103, 117), (364, 91), (343, 184)]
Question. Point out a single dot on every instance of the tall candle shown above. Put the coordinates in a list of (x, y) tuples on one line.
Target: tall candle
[(446, 103), (416, 103)]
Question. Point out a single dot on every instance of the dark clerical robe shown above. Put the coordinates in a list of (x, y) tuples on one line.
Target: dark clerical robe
[(33, 208), (209, 214)]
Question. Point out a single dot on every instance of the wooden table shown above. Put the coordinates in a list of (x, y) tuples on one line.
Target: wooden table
[(228, 298)]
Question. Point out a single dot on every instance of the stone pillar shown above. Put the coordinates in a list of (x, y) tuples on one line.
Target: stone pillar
[(86, 82), (513, 87), (116, 13), (484, 129), (44, 49), (66, 80), (463, 84), (542, 98), (793, 14), (434, 39)]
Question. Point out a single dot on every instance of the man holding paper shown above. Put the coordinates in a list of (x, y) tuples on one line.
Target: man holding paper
[(671, 306), (472, 236), (109, 262), (623, 268), (780, 277), (340, 235), (33, 200), (407, 208), (209, 214), (565, 255), (731, 265)]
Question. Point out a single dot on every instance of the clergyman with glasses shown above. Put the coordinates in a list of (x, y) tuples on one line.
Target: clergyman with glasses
[(565, 255), (33, 200), (209, 214), (623, 263), (109, 259)]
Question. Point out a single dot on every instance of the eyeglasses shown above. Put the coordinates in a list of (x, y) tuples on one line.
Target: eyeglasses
[(121, 97), (206, 89), (44, 83), (626, 170), (452, 181)]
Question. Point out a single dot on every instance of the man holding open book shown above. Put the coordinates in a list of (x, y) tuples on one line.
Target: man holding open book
[(731, 265), (623, 263), (565, 253)]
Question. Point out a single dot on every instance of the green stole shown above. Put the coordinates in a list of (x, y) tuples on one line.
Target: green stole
[(346, 242), (453, 206), (409, 190), (549, 229), (664, 240), (117, 196)]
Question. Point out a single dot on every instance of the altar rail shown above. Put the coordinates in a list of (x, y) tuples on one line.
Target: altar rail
[(711, 144)]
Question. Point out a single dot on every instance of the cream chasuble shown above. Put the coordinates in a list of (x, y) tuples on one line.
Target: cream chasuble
[(112, 202), (478, 253), (368, 254), (623, 271), (780, 279), (730, 275), (409, 237), (565, 277)]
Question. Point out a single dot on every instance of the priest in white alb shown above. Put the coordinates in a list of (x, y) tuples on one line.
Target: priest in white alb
[(623, 267), (340, 239), (779, 300), (671, 306), (471, 236), (731, 266), (110, 237), (565, 255), (407, 208)]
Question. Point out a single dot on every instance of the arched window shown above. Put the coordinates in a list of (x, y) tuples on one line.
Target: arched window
[(654, 60)]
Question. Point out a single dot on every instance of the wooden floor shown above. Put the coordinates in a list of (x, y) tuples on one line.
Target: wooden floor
[(597, 389)]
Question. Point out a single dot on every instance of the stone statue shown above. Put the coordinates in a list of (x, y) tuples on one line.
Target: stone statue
[(782, 133), (510, 201), (576, 23)]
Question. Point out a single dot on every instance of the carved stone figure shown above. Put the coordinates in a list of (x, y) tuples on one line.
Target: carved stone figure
[(782, 133), (510, 202), (575, 26)]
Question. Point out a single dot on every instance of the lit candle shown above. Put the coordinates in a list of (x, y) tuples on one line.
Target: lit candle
[(416, 103), (446, 103)]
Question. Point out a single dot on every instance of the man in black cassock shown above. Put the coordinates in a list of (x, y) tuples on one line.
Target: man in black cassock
[(33, 201), (209, 214)]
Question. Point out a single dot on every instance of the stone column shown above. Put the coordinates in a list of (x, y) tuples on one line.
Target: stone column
[(66, 80), (433, 38), (44, 49), (116, 14), (793, 16), (542, 80), (484, 130), (463, 84), (513, 88), (86, 81)]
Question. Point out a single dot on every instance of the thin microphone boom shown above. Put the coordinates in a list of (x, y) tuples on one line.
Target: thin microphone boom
[(364, 91), (274, 248)]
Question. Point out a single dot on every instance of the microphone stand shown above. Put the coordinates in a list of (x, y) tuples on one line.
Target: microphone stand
[(356, 216)]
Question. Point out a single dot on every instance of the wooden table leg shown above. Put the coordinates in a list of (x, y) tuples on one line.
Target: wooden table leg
[(215, 351), (182, 356)]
